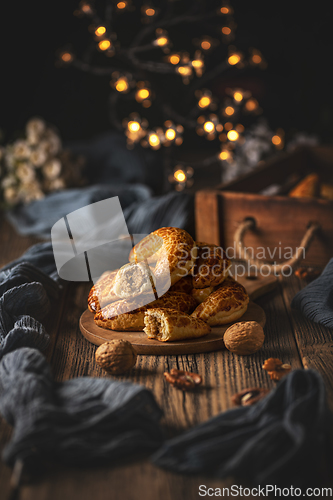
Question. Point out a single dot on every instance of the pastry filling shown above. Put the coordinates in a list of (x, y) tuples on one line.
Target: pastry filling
[(155, 327)]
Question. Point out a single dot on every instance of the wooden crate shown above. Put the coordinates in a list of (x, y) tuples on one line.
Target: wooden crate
[(281, 221)]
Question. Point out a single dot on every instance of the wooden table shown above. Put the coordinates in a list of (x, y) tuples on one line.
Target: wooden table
[(289, 337)]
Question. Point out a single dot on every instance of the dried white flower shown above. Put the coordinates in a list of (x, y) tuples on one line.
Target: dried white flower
[(25, 172), (11, 195), (9, 158), (21, 150), (56, 184), (52, 169), (38, 157), (30, 192), (53, 142), (34, 130), (8, 181)]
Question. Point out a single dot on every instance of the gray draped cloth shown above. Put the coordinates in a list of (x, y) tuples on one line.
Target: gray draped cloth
[(84, 419), (315, 301)]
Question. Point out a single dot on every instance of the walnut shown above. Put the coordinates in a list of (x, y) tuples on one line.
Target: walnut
[(245, 337), (185, 381), (116, 356), (249, 396), (276, 368)]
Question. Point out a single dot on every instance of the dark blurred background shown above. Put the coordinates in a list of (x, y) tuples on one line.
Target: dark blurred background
[(295, 91)]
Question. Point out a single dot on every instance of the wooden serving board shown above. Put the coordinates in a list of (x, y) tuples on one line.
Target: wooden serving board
[(211, 342)]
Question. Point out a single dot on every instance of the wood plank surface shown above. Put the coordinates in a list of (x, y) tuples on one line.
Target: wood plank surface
[(288, 336)]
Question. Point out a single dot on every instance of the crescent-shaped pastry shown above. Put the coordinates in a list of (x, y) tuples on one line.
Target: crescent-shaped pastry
[(201, 294), (102, 292), (211, 266), (124, 315), (133, 279), (183, 285), (172, 249), (168, 325), (226, 304), (308, 187)]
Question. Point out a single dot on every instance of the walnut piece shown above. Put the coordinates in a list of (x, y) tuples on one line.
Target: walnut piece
[(116, 356), (275, 368), (186, 381), (245, 337), (248, 397)]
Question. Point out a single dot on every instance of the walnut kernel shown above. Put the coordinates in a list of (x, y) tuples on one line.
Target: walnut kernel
[(116, 356), (275, 368), (248, 397), (245, 337), (185, 381)]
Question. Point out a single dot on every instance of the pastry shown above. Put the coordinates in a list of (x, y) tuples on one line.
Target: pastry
[(308, 187), (183, 285), (226, 304), (102, 292), (172, 249), (125, 315), (133, 279), (211, 266), (201, 294), (168, 325)]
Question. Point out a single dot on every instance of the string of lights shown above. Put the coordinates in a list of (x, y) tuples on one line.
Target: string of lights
[(150, 54)]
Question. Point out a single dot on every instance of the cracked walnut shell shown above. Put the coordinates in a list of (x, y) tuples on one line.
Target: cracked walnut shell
[(245, 337), (116, 356)]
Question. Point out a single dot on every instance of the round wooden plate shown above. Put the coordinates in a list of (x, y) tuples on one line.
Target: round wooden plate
[(211, 342)]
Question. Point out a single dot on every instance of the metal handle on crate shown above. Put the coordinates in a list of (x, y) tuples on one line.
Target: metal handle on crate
[(250, 223)]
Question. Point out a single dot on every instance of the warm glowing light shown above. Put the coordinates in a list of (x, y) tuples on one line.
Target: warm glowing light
[(100, 30), (197, 63), (162, 41), (133, 126), (209, 127), (153, 140), (224, 155), (256, 59), (204, 102), (104, 44), (142, 94), (150, 12), (226, 30), (121, 5), (174, 59), (232, 135), (66, 57), (121, 85), (180, 176), (276, 140), (184, 70), (234, 59), (170, 134), (86, 8), (251, 105), (229, 110), (206, 45), (238, 96), (224, 10)]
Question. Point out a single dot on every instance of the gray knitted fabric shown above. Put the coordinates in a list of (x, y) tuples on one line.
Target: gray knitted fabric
[(316, 300), (79, 420)]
